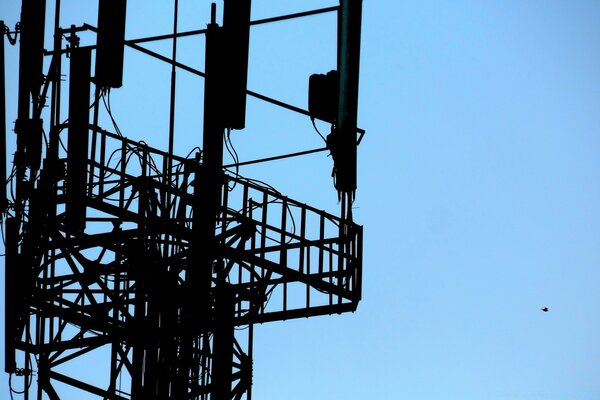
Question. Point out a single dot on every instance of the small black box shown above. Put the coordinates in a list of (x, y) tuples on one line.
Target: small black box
[(323, 96)]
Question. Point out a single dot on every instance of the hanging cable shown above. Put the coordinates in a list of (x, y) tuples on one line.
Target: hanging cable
[(12, 39), (106, 100), (317, 129), (233, 154)]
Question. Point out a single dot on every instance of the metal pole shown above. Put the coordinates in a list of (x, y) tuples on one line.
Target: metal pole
[(173, 83), (169, 162), (3, 198), (348, 67), (211, 183)]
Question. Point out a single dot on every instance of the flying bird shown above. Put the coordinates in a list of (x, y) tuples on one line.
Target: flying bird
[(545, 309)]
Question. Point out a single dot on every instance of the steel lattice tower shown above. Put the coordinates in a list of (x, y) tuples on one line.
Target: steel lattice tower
[(146, 257)]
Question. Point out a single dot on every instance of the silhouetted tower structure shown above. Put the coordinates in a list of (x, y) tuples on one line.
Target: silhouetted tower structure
[(142, 262)]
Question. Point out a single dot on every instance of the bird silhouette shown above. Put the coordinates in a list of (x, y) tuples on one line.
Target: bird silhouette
[(545, 309)]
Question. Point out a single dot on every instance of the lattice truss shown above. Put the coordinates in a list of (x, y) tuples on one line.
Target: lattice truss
[(121, 286)]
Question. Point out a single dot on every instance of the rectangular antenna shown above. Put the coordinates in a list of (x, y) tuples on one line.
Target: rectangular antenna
[(349, 27), (77, 145), (236, 23), (31, 77), (111, 43), (32, 26)]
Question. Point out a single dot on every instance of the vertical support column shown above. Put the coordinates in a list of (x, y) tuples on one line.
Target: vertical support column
[(224, 341), (137, 336), (10, 295), (168, 163), (146, 335), (197, 308), (3, 198), (115, 317), (207, 204), (210, 182), (11, 229), (208, 186)]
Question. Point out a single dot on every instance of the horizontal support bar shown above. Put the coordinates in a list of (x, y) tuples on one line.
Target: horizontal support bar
[(295, 15), (260, 160), (298, 313), (257, 22)]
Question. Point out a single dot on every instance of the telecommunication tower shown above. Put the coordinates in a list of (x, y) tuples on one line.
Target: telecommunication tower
[(146, 261)]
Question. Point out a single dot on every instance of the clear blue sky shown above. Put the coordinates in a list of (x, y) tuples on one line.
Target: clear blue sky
[(478, 190)]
